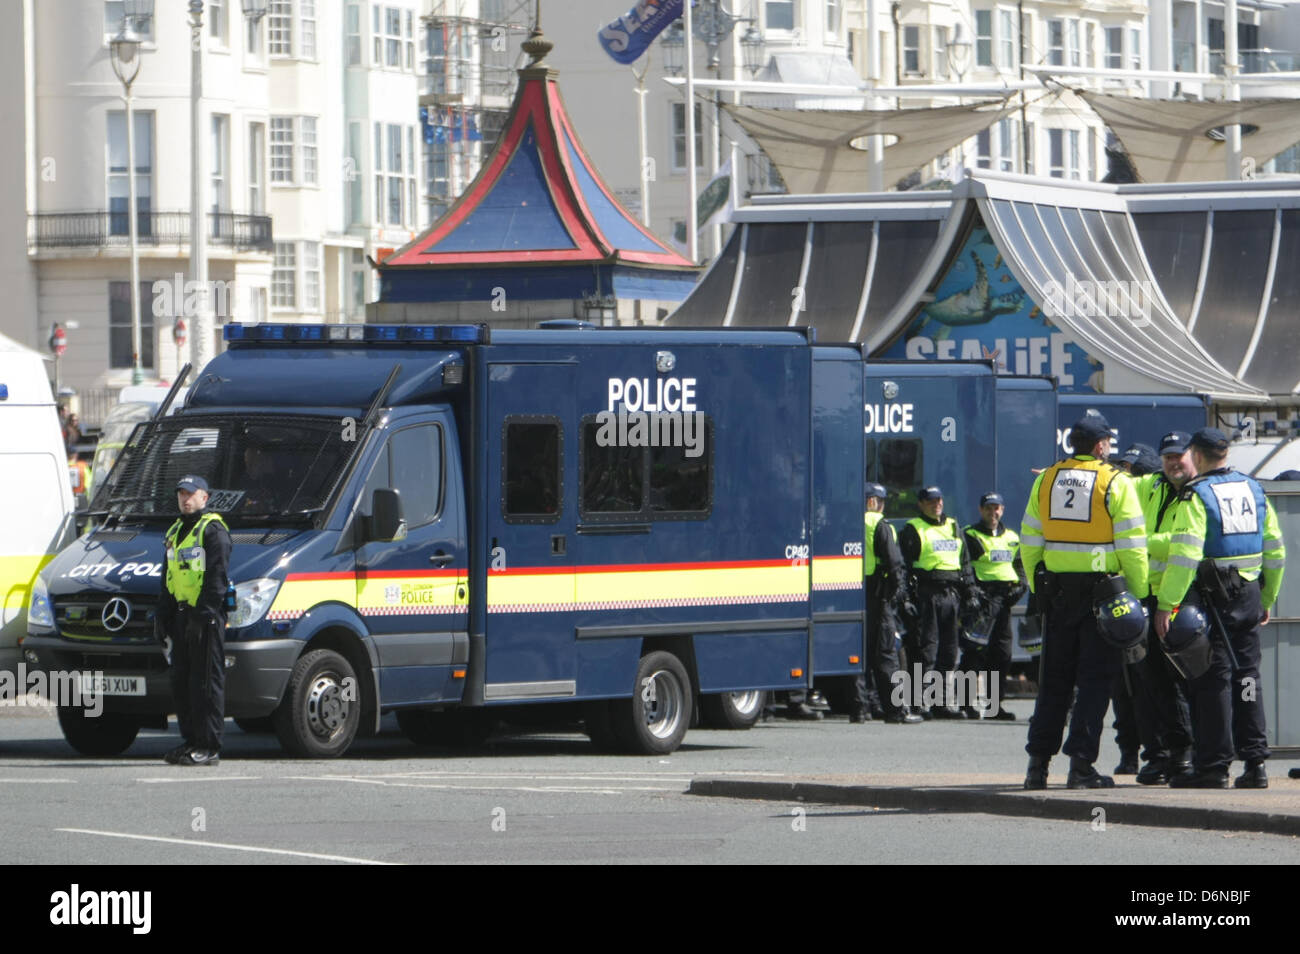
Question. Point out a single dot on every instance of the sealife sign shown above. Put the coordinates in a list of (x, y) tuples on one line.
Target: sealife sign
[(981, 312)]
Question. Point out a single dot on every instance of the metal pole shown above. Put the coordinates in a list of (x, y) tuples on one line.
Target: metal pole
[(692, 186), (641, 143), (202, 344), (1232, 133), (137, 375), (875, 144)]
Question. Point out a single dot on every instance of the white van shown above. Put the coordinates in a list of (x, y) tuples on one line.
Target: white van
[(135, 405), (35, 494)]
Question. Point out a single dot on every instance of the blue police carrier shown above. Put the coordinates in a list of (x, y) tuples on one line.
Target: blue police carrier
[(445, 522)]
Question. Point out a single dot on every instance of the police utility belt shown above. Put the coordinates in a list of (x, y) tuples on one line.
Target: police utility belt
[(1053, 586), (1220, 583), (936, 579)]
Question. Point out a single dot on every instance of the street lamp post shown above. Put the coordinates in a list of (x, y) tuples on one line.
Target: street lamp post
[(124, 52)]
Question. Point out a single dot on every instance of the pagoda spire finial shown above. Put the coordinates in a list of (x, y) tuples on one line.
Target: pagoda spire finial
[(537, 46)]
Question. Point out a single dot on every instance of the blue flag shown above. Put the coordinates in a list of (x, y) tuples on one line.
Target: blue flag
[(631, 35)]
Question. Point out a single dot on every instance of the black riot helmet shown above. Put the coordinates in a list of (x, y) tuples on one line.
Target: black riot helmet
[(1187, 641), (1121, 618)]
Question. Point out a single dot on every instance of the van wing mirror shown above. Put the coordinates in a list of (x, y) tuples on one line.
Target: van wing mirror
[(386, 522)]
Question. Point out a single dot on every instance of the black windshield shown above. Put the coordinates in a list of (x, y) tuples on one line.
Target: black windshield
[(257, 468)]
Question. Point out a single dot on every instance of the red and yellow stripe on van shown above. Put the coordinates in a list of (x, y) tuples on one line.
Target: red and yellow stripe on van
[(836, 573), (389, 593), (645, 586)]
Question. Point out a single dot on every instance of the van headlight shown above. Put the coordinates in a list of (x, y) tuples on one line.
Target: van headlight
[(40, 611), (252, 599)]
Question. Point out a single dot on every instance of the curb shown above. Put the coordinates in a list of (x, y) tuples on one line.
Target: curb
[(1001, 803)]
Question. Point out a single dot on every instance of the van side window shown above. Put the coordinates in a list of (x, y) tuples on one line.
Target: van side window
[(900, 468), (415, 463), (411, 464), (531, 462), (673, 480)]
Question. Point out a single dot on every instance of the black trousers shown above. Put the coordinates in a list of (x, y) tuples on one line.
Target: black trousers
[(1164, 720), (935, 639), (995, 658), (876, 687), (198, 677), (1074, 655), (1227, 705)]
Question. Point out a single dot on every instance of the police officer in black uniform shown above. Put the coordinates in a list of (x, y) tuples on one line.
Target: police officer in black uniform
[(191, 615)]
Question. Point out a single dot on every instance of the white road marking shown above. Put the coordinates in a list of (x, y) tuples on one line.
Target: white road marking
[(199, 778), (39, 781), (543, 789), (228, 847)]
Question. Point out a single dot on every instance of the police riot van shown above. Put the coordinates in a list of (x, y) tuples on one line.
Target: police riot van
[(445, 522)]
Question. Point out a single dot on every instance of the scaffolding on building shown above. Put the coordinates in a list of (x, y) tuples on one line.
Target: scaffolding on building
[(470, 70)]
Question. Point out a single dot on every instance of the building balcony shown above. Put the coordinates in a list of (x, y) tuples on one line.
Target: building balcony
[(111, 230), (1258, 61)]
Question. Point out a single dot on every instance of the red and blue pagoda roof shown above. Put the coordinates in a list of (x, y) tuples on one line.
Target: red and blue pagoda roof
[(538, 206)]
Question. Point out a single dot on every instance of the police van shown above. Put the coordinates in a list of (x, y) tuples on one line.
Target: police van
[(448, 522)]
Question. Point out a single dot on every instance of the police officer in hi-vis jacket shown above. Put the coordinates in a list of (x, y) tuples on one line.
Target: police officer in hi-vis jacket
[(192, 615)]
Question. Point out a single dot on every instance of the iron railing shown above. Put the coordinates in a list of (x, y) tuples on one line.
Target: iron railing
[(99, 229)]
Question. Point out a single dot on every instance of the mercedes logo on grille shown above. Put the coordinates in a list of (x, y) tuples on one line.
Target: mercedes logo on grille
[(117, 612)]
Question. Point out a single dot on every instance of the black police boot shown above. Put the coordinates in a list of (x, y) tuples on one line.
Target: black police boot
[(948, 712), (1253, 777), (1128, 764), (1205, 778), (860, 716), (1036, 776), (1084, 775), (201, 757), (1155, 772), (802, 710), (926, 713), (971, 712), (175, 756), (903, 717)]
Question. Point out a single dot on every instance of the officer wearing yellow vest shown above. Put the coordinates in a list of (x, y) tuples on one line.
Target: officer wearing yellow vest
[(192, 615), (932, 547), (1083, 526), (1160, 700), (1000, 579), (1226, 556), (885, 578)]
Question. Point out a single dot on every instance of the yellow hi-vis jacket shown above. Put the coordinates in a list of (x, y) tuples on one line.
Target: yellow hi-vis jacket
[(1084, 516)]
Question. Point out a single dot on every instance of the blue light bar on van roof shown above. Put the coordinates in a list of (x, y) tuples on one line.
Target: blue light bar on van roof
[(337, 334)]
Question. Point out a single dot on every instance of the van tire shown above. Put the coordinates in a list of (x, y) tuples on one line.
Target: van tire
[(732, 710), (314, 720), (655, 726), (107, 734), (451, 729)]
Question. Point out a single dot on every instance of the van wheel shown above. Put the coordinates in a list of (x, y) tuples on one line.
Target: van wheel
[(454, 729), (733, 710), (655, 719), (319, 717), (100, 736)]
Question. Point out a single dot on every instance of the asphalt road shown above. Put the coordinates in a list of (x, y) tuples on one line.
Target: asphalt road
[(545, 798)]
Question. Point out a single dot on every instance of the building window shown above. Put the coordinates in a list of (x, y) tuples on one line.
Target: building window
[(983, 37), (353, 40), (307, 29), (280, 28), (352, 173), (392, 37), (912, 50), (307, 126), (256, 168), (1114, 48), (1056, 42), (395, 167), (984, 149), (118, 185), (779, 14), (1072, 42), (1006, 39), (378, 36), (311, 277), (1135, 48), (220, 175), (119, 325), (408, 38), (286, 167), (217, 15), (679, 137), (1007, 145), (283, 275), (282, 149), (1090, 46), (253, 38), (113, 23), (940, 53), (1064, 153), (833, 16)]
